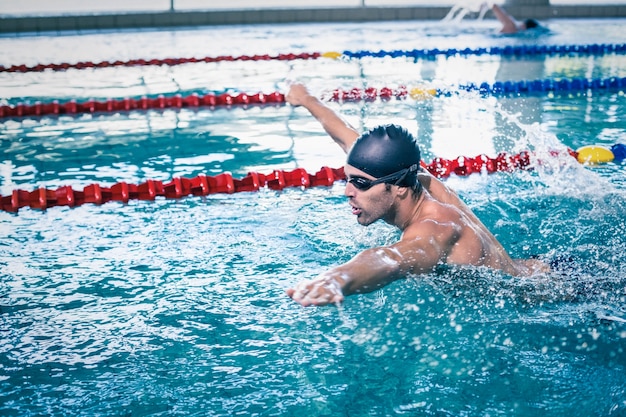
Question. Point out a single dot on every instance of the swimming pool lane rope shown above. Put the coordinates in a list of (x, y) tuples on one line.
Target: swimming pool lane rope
[(211, 100), (513, 51), (203, 185)]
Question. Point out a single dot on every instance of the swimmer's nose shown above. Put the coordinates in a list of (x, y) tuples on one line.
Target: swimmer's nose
[(349, 190)]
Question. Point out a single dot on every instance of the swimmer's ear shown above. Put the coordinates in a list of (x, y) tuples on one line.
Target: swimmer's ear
[(403, 192)]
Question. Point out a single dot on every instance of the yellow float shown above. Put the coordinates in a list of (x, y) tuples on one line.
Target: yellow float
[(332, 54), (594, 154), (422, 93)]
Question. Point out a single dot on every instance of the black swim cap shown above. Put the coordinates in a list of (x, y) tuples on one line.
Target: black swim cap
[(531, 23), (386, 150)]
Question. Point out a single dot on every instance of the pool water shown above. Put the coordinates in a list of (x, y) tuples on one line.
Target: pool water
[(178, 306)]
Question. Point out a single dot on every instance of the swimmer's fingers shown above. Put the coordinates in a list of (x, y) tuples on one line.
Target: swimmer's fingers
[(322, 295), (317, 293), (296, 94)]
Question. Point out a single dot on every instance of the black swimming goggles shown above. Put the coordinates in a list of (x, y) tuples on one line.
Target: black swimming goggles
[(364, 184)]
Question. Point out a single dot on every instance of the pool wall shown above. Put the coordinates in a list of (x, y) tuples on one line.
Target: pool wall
[(164, 19)]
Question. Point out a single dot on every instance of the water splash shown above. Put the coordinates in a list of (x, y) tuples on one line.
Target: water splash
[(460, 10), (553, 166)]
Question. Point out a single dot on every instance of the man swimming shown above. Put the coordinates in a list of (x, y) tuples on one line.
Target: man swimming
[(509, 24), (385, 182)]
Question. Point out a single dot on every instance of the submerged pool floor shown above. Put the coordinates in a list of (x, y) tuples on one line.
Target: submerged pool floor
[(178, 306)]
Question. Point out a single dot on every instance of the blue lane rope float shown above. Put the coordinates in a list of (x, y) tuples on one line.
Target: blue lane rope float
[(210, 100), (511, 50), (548, 85)]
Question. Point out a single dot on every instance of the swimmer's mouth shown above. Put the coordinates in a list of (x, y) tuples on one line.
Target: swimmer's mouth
[(356, 211)]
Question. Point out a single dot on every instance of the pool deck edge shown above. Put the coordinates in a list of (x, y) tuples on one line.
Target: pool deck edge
[(172, 19)]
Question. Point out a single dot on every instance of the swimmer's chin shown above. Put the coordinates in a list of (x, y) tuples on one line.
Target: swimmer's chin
[(360, 218)]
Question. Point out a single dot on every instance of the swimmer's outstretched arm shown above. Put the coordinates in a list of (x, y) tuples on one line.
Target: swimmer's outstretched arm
[(508, 23), (366, 272), (338, 129)]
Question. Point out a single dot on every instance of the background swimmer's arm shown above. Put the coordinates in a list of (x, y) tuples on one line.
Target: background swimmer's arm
[(366, 272), (338, 129), (508, 23)]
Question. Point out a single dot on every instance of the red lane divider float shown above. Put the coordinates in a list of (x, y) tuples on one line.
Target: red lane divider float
[(157, 62), (143, 103), (203, 185)]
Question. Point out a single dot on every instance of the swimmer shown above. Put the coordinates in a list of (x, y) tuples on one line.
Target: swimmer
[(509, 24), (386, 182)]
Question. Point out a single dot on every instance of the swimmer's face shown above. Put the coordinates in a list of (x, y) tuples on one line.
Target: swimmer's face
[(369, 203)]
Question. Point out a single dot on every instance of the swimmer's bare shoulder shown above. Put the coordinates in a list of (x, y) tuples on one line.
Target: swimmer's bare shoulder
[(443, 194)]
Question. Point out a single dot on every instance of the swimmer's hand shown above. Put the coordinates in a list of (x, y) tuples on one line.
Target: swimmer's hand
[(320, 291), (297, 94)]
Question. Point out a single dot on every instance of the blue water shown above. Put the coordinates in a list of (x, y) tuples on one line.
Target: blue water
[(177, 307)]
